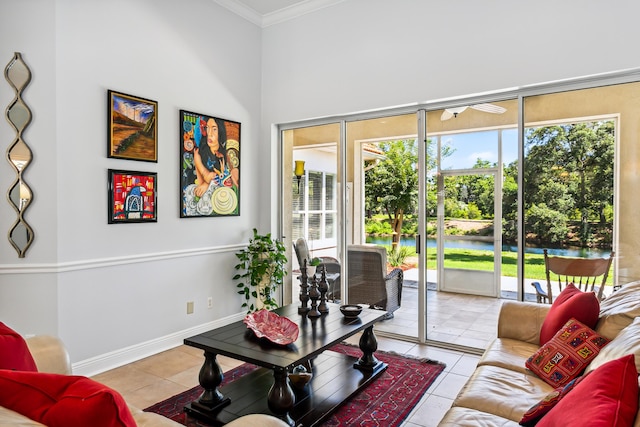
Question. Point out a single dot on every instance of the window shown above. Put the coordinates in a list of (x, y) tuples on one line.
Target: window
[(314, 208)]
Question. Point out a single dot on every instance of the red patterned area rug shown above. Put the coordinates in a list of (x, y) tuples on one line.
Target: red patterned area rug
[(385, 402)]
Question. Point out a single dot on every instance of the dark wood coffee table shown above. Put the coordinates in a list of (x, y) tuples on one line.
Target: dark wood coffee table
[(336, 376)]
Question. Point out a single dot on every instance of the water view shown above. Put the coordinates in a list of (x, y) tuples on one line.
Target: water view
[(480, 245)]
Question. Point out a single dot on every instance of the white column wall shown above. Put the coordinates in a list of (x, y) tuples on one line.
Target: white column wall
[(104, 288)]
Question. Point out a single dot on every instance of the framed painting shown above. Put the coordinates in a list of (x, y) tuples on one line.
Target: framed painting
[(209, 166), (133, 127), (132, 196)]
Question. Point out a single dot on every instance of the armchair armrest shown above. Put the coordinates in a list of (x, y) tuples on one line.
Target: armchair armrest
[(521, 320), (393, 285), (332, 265), (50, 354)]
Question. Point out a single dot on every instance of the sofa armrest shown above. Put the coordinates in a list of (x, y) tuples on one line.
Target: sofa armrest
[(521, 320), (50, 354)]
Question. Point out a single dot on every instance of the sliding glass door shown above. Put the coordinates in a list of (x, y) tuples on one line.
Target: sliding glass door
[(464, 196), (310, 197)]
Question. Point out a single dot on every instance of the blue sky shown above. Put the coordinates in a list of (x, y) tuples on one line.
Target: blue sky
[(484, 145)]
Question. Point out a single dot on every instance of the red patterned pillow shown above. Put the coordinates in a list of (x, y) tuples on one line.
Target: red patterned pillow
[(537, 411), (567, 354), (571, 303), (599, 400), (14, 353), (63, 400)]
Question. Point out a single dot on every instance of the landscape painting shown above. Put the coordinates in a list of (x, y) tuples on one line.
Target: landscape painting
[(133, 127)]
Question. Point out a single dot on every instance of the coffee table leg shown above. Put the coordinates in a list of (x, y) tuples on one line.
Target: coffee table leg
[(281, 398), (210, 378), (368, 344)]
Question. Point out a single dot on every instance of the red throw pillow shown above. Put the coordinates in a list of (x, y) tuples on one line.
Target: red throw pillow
[(63, 400), (537, 411), (571, 303), (607, 396), (567, 354), (14, 353)]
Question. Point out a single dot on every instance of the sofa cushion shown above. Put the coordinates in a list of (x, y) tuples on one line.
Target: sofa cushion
[(598, 400), (627, 342), (508, 353), (465, 417), (572, 303), (63, 400), (567, 354), (619, 309), (537, 411), (14, 353), (502, 392)]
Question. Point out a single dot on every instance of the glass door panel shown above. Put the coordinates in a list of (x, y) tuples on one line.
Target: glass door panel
[(310, 199), (570, 144), (469, 148), (382, 177)]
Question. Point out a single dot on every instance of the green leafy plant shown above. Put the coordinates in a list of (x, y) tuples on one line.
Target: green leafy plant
[(261, 269), (315, 262), (397, 258)]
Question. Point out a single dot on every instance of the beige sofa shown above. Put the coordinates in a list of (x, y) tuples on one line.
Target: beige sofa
[(51, 356), (502, 389)]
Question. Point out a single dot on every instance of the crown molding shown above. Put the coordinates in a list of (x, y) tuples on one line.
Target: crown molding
[(282, 15), (242, 10)]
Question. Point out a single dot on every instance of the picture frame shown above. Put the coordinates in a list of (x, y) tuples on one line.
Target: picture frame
[(209, 180), (132, 127), (133, 196)]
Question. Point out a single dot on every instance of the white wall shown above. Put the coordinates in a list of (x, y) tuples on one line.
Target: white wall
[(103, 287), (366, 54)]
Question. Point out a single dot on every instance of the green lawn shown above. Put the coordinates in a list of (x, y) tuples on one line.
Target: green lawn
[(483, 261)]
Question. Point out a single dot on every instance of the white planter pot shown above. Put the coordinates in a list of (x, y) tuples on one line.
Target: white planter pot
[(311, 270)]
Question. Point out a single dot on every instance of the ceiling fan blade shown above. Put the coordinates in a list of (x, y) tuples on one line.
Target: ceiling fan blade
[(452, 112), (489, 108), (446, 115)]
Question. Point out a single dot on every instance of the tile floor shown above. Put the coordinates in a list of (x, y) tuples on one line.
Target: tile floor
[(158, 377), (461, 320)]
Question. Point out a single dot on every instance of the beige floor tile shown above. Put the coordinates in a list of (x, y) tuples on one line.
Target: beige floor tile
[(126, 378), (450, 386), (429, 412), (466, 365), (169, 363), (153, 393)]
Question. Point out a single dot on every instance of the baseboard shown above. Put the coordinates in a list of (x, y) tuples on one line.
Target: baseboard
[(124, 356)]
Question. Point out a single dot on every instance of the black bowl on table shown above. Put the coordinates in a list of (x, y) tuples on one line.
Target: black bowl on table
[(350, 311)]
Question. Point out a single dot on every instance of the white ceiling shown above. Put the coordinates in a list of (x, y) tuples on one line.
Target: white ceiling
[(269, 12)]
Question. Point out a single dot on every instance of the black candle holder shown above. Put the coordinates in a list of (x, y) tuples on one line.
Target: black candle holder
[(304, 290), (314, 294), (323, 287)]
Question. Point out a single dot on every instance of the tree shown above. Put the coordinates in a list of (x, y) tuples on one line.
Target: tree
[(392, 185), (569, 170)]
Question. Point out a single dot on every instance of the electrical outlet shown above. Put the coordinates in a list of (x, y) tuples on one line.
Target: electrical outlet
[(210, 302), (190, 307)]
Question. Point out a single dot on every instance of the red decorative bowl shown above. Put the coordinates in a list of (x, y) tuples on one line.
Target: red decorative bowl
[(277, 329)]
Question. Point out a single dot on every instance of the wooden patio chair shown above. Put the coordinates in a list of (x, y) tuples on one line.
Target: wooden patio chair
[(368, 281), (587, 274)]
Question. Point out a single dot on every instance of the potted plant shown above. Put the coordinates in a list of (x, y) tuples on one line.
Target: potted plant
[(313, 265), (261, 269)]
